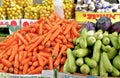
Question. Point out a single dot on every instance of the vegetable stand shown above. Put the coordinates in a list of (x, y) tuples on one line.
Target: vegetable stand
[(48, 44)]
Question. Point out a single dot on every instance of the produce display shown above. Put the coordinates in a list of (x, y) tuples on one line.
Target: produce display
[(47, 8), (15, 12), (42, 45), (97, 51), (8, 3), (2, 13), (24, 3), (97, 6), (69, 9), (32, 12)]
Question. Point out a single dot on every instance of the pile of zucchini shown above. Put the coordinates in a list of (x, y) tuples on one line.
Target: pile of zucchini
[(95, 53)]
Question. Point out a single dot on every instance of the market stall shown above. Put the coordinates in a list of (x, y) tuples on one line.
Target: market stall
[(59, 39)]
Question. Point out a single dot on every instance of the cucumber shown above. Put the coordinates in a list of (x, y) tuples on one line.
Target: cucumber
[(115, 72), (105, 34), (106, 48), (116, 62), (102, 68), (94, 71), (91, 40), (79, 61), (106, 62), (83, 38), (112, 53), (71, 61), (84, 69), (90, 62), (80, 52), (106, 40), (99, 34), (96, 50), (65, 67)]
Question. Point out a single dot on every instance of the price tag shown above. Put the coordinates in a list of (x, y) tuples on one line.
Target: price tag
[(48, 73)]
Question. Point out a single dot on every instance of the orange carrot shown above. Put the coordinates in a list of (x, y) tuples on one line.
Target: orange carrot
[(46, 38), (36, 71), (45, 54), (58, 40), (24, 54), (2, 44), (34, 53), (32, 68), (70, 45), (11, 69), (40, 60), (34, 58), (41, 47), (63, 59), (32, 35), (21, 48), (48, 43), (54, 35), (21, 67), (35, 49), (22, 38), (34, 39), (50, 63), (36, 43), (6, 69), (74, 30), (55, 50), (1, 66), (20, 56), (15, 70), (64, 40), (64, 47), (35, 64), (27, 36), (67, 28), (57, 61), (30, 63), (47, 49), (26, 60), (16, 62), (6, 62), (14, 51), (47, 26), (25, 68), (29, 54), (41, 29)]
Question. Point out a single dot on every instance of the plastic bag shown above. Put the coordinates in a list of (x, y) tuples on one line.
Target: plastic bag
[(47, 8), (24, 3), (2, 13), (15, 12), (69, 9), (32, 12)]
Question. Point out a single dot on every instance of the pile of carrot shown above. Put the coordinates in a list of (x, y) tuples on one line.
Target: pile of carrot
[(39, 46)]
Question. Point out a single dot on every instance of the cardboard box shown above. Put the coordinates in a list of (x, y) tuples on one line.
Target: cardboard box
[(82, 17)]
